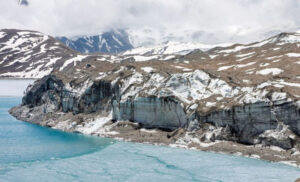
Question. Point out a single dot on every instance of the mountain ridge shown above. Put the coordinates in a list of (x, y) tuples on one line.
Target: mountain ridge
[(114, 41), (21, 48)]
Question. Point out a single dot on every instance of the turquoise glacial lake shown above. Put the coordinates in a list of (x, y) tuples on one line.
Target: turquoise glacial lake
[(33, 153)]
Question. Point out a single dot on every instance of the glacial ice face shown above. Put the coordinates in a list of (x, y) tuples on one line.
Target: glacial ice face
[(163, 112), (246, 121), (181, 100)]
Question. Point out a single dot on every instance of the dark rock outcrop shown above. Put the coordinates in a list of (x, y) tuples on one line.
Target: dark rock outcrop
[(49, 87), (52, 91)]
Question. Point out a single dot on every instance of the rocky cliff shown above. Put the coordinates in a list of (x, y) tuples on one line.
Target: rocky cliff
[(245, 94)]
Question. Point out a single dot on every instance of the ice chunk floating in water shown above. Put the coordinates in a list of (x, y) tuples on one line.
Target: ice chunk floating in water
[(33, 153)]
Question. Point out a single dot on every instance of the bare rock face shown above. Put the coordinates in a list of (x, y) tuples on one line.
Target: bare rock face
[(95, 97), (51, 92), (46, 90)]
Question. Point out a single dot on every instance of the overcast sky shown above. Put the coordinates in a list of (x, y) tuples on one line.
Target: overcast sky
[(210, 20)]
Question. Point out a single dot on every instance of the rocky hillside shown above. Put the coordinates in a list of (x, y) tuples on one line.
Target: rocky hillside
[(248, 94), (114, 41), (30, 54)]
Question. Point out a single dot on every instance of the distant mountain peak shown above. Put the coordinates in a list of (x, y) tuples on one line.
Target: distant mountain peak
[(287, 37), (114, 41), (23, 2)]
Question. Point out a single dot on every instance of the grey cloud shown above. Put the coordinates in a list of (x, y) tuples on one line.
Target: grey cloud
[(212, 21)]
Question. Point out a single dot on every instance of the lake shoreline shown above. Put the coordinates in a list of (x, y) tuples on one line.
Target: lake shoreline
[(126, 156), (180, 138)]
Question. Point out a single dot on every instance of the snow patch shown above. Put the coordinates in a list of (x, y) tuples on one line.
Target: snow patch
[(267, 71), (73, 60), (144, 58), (245, 65), (293, 54), (225, 67), (148, 131), (148, 69), (91, 127), (244, 55)]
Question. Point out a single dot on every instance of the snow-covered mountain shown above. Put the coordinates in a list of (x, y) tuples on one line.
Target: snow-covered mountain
[(30, 54), (171, 47), (114, 41), (154, 41), (148, 36)]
